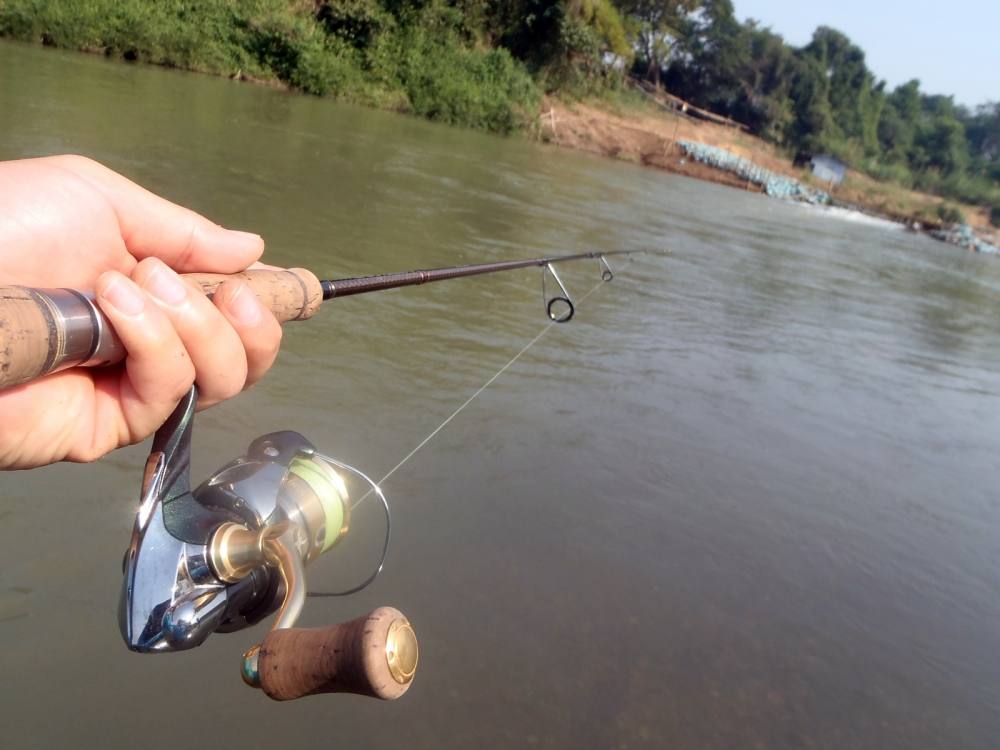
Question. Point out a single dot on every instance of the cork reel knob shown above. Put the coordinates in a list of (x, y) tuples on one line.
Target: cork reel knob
[(374, 655)]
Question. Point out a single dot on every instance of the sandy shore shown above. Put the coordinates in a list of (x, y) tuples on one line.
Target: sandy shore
[(650, 138)]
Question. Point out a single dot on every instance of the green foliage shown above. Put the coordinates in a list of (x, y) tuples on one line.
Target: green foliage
[(528, 29), (358, 22), (411, 54), (823, 99), (652, 27), (216, 36), (983, 131), (563, 42), (484, 63), (577, 66), (949, 214), (601, 16), (960, 186), (448, 83), (888, 171), (855, 102)]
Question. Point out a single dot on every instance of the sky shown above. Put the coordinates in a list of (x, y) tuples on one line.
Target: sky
[(953, 47)]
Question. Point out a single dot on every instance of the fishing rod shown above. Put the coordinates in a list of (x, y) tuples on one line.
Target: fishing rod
[(46, 330), (225, 555)]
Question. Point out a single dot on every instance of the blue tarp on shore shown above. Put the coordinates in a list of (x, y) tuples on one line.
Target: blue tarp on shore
[(775, 185), (962, 235), (781, 186)]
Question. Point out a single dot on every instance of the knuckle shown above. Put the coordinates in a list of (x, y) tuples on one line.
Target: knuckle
[(188, 252), (183, 378), (224, 381), (273, 340), (263, 350), (233, 389), (142, 270), (234, 382), (163, 341), (77, 161), (146, 263), (86, 454)]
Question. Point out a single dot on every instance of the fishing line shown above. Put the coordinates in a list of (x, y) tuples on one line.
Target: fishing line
[(385, 542), (470, 399), (377, 486)]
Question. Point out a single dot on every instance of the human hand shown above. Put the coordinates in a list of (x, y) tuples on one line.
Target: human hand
[(67, 221)]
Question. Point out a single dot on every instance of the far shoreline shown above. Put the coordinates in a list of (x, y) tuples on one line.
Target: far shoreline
[(649, 137)]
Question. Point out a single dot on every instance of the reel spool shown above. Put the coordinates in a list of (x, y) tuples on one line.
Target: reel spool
[(234, 550)]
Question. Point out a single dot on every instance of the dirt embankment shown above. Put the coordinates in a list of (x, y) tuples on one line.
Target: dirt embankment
[(641, 140), (650, 137)]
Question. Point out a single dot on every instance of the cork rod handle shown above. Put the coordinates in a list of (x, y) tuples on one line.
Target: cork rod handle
[(373, 655), (44, 330), (291, 293), (29, 340)]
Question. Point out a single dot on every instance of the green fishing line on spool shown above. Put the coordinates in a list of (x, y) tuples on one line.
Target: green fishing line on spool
[(331, 491)]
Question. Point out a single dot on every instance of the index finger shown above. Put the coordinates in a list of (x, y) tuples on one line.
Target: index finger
[(152, 226)]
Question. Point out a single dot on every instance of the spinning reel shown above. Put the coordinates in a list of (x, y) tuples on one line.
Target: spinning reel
[(226, 555)]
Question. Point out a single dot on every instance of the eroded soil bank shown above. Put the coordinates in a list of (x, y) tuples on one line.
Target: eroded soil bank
[(650, 138)]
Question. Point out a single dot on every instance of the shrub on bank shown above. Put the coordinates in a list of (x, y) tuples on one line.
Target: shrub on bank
[(890, 172), (950, 214), (486, 90), (421, 59)]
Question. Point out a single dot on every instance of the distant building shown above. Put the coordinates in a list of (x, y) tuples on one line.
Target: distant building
[(828, 169)]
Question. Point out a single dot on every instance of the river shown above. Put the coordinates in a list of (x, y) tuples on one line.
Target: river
[(746, 499)]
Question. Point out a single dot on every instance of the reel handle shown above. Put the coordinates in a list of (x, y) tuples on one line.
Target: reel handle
[(373, 655), (44, 330)]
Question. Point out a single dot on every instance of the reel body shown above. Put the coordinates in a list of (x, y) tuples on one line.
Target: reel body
[(229, 553)]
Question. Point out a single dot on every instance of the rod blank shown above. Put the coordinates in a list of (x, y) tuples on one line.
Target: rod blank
[(364, 284), (43, 331)]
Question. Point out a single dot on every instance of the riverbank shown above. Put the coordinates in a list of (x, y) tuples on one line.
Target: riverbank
[(423, 61), (489, 91), (647, 135)]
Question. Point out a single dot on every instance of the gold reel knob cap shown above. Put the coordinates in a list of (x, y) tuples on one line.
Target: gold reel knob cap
[(401, 651)]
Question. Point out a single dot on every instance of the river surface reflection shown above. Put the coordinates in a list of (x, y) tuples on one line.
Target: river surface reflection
[(748, 498)]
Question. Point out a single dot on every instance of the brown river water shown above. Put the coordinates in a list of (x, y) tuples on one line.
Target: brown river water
[(746, 499)]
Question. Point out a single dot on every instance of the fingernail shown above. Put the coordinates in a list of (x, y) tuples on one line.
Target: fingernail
[(166, 285), (244, 306), (122, 294)]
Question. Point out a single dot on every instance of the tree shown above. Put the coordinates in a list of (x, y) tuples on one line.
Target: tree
[(712, 57), (940, 143), (813, 117), (897, 127), (654, 24), (738, 69), (855, 99), (983, 131), (766, 105), (561, 40)]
